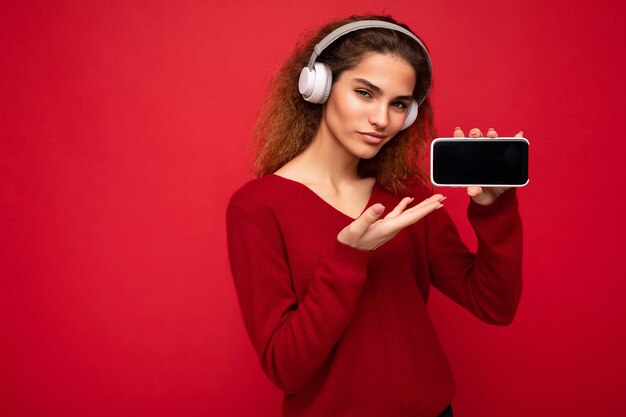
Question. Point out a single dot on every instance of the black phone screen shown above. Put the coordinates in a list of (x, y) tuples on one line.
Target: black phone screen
[(479, 162)]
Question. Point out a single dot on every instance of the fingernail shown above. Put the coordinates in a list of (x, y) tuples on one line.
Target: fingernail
[(378, 209), (521, 133), (490, 129), (457, 128)]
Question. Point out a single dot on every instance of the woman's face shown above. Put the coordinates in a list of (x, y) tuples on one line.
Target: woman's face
[(368, 103)]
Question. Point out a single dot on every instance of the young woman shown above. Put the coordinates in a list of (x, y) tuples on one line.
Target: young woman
[(331, 256)]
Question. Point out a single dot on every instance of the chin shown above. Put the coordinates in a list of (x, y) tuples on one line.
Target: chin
[(367, 153), (367, 150)]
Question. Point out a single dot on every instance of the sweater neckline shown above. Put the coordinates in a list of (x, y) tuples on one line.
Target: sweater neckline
[(326, 203)]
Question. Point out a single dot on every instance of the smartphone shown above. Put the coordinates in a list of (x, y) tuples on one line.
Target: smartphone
[(460, 162)]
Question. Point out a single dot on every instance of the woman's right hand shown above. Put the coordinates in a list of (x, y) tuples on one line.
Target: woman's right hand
[(368, 232)]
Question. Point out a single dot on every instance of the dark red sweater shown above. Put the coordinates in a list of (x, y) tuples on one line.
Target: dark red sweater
[(345, 332)]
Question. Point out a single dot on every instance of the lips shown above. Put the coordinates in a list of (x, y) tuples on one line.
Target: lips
[(372, 137)]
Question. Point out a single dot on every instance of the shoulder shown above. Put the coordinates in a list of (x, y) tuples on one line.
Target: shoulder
[(253, 213), (264, 199), (254, 193)]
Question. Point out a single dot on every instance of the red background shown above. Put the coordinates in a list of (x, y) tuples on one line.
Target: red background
[(124, 128)]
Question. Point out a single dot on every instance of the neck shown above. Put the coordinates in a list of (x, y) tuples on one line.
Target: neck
[(327, 161)]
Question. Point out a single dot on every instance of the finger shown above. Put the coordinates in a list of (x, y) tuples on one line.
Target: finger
[(399, 208), (474, 190), (458, 133), (369, 216), (519, 134), (434, 198), (491, 133), (409, 217), (475, 133)]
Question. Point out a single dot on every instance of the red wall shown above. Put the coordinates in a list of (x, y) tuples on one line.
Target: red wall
[(124, 129)]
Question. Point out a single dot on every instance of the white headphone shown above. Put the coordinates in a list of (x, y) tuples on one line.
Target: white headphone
[(316, 79)]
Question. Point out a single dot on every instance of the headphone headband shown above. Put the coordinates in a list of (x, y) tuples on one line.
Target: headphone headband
[(366, 24)]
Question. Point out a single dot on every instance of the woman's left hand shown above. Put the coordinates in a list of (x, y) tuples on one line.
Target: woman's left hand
[(486, 195)]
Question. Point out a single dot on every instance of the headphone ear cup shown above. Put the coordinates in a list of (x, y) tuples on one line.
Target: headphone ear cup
[(328, 78), (315, 84), (306, 82), (411, 114)]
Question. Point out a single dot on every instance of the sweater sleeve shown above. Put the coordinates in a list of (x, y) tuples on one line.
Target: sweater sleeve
[(487, 283), (292, 337)]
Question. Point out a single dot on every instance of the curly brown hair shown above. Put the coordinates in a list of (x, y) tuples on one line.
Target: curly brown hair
[(287, 123)]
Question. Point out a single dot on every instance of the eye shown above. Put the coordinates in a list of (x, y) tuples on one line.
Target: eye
[(400, 105), (363, 93)]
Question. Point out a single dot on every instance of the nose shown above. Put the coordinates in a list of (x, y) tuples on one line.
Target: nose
[(379, 115)]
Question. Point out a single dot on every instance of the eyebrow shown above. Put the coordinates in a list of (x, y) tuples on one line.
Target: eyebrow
[(379, 90)]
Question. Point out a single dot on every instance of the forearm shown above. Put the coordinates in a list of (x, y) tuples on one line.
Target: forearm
[(307, 334), (497, 270), (293, 334), (489, 282)]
